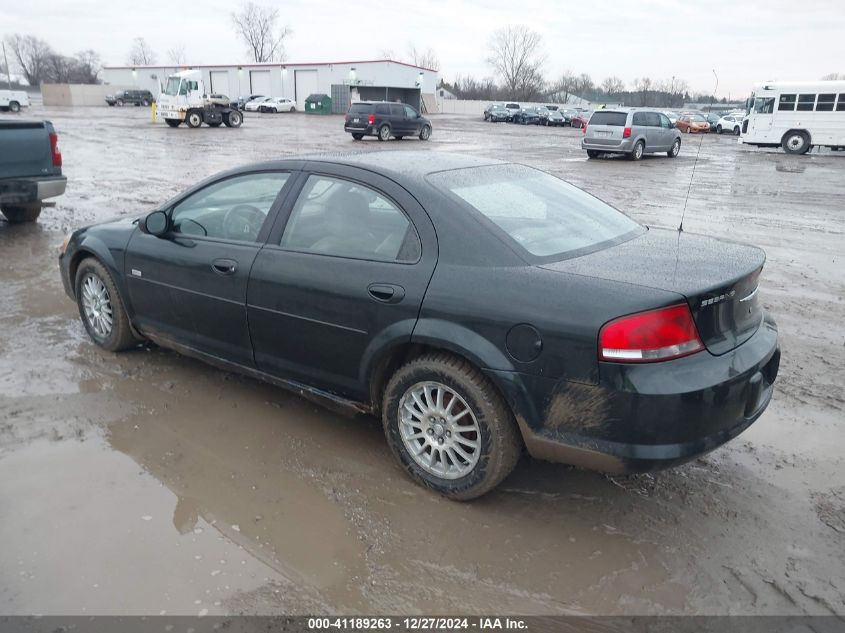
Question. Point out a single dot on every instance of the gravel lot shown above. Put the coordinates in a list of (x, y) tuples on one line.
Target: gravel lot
[(146, 482)]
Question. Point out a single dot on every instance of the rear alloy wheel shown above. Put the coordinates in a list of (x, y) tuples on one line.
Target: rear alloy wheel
[(718, 129), (675, 149), (173, 122), (795, 142), (384, 133), (357, 137), (18, 214), (233, 119), (101, 307), (425, 133), (194, 119), (637, 152), (449, 427)]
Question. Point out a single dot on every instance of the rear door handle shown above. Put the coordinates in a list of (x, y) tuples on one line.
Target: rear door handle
[(386, 293), (224, 266)]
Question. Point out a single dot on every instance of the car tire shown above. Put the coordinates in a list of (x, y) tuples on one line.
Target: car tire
[(119, 102), (718, 129), (736, 131), (357, 137), (675, 149), (592, 153), (425, 132), (384, 133), (795, 142), (233, 119), (173, 122), (18, 214), (14, 106), (491, 444), (637, 152), (98, 299), (193, 118)]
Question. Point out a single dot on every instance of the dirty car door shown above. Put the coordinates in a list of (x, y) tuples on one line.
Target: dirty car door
[(341, 278)]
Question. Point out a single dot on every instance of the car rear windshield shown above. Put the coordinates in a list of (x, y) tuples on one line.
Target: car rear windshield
[(609, 118), (546, 218), (360, 108)]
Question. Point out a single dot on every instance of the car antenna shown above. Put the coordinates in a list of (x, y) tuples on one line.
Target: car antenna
[(700, 141)]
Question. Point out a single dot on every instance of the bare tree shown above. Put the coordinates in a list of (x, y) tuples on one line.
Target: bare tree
[(564, 87), (176, 55), (387, 53), (612, 86), (141, 53), (424, 59), (833, 76), (516, 54), (31, 56), (644, 86), (257, 27), (583, 85)]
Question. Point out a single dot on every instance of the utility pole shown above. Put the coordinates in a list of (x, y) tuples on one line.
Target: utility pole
[(8, 72)]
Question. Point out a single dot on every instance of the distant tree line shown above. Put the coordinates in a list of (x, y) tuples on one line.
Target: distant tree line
[(37, 62)]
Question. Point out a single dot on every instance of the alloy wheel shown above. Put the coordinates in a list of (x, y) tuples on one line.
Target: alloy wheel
[(97, 306)]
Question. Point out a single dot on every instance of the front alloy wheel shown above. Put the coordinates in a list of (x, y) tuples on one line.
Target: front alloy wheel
[(96, 306), (425, 132)]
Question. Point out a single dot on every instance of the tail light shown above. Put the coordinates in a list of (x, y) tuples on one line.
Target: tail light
[(371, 120), (54, 149), (626, 133), (584, 129), (646, 337)]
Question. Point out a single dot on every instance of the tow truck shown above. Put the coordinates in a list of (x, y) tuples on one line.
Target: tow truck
[(185, 99)]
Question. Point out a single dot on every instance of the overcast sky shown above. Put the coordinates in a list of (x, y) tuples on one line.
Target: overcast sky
[(743, 40)]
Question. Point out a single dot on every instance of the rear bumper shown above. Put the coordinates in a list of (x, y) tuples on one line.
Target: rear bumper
[(625, 145), (30, 190), (649, 416), (366, 131)]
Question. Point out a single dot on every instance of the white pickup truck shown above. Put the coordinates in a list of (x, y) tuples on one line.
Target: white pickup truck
[(13, 100)]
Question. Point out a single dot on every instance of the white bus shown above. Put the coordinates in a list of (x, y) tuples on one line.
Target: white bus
[(796, 115)]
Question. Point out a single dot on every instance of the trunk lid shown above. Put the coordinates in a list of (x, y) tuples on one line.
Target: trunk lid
[(26, 149), (606, 128), (718, 279)]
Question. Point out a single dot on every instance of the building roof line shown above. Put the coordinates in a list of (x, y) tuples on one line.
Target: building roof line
[(266, 64)]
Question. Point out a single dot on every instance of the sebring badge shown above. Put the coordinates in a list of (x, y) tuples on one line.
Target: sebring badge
[(718, 298)]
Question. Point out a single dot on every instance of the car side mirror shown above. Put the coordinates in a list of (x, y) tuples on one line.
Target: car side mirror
[(156, 223)]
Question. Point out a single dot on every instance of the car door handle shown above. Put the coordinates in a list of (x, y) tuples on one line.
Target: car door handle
[(386, 293), (224, 266)]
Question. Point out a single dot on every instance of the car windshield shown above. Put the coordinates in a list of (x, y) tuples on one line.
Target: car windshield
[(172, 88), (547, 218), (697, 118)]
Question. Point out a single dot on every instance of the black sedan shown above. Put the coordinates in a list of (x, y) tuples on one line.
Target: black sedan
[(478, 308), (527, 116)]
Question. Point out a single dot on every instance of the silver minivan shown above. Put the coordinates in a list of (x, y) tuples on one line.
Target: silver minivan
[(630, 131)]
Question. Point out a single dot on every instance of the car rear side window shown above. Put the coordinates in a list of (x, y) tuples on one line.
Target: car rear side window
[(617, 119), (544, 217), (383, 108), (360, 108), (347, 219)]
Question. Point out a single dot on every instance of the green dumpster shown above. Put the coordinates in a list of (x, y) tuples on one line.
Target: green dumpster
[(318, 104)]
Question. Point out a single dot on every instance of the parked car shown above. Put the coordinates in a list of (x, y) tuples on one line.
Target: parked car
[(498, 113), (568, 115), (473, 325), (695, 123), (527, 116), (490, 108), (222, 100), (30, 169), (130, 97), (673, 116), (580, 119), (712, 120), (630, 131), (244, 100), (385, 119), (512, 109), (253, 104), (277, 104), (553, 118), (730, 123), (13, 100)]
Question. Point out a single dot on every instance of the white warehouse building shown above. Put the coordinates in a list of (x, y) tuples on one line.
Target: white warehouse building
[(344, 82)]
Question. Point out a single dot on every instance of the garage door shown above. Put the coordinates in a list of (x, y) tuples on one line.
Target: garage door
[(220, 81), (306, 84), (259, 82)]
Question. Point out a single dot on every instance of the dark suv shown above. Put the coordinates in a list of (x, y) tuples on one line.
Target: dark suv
[(384, 119), (134, 97)]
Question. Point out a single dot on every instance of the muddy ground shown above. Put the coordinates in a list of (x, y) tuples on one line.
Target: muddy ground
[(146, 482)]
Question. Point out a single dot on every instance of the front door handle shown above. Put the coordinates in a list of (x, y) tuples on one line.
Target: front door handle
[(386, 293), (224, 266)]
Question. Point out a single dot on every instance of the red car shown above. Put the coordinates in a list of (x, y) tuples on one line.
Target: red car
[(581, 119)]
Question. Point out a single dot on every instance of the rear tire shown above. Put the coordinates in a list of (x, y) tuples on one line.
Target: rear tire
[(173, 122), (233, 119), (637, 152), (384, 133), (736, 131), (91, 277), (795, 142), (357, 137), (18, 214), (675, 149), (14, 106), (718, 129), (497, 444), (425, 133)]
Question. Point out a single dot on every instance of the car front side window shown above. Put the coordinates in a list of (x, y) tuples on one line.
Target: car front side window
[(231, 209), (346, 219)]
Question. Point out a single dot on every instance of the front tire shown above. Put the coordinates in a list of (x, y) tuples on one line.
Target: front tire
[(384, 133), (795, 142), (425, 133), (194, 118), (101, 307), (18, 214), (675, 149), (448, 426), (736, 131), (718, 129)]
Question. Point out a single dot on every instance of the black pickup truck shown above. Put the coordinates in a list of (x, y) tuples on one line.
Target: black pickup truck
[(30, 168)]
